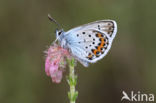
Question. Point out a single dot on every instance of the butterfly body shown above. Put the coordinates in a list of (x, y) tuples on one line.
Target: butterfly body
[(90, 42)]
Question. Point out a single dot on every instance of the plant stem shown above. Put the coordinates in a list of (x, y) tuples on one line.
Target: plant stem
[(72, 81)]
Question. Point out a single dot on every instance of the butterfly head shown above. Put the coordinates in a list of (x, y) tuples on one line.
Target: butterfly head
[(59, 34)]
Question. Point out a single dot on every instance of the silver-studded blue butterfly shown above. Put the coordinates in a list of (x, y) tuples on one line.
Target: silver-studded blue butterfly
[(90, 42)]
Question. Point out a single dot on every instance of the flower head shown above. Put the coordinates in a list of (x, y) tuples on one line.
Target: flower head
[(56, 62)]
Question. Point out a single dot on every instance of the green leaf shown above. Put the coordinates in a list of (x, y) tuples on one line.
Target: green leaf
[(75, 96), (69, 95)]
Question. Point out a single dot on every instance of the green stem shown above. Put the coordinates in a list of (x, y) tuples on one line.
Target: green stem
[(72, 81)]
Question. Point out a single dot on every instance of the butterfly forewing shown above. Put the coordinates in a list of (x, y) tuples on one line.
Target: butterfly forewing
[(108, 27)]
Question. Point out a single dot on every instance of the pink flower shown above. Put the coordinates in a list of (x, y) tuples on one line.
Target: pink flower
[(56, 62)]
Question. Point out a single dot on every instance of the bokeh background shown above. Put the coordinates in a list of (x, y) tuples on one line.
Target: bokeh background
[(25, 33)]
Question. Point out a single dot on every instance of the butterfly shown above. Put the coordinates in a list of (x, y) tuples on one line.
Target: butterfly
[(90, 42)]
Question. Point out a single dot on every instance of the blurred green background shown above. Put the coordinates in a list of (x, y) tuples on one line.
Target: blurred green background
[(26, 32)]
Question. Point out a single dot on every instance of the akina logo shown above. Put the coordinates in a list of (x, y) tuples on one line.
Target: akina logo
[(137, 96)]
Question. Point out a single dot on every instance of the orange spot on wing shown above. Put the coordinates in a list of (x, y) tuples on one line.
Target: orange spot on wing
[(100, 45), (99, 35), (102, 42), (99, 48), (95, 51), (90, 56)]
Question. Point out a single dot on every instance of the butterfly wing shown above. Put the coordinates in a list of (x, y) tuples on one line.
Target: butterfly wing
[(91, 42)]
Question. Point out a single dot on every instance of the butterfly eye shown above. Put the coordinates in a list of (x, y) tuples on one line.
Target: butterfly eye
[(59, 33)]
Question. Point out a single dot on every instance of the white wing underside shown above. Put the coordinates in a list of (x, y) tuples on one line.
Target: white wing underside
[(80, 43)]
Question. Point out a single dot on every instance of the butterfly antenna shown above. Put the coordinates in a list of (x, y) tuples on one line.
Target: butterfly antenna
[(53, 20)]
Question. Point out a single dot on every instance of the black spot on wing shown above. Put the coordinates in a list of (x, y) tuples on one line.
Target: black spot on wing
[(83, 32), (99, 27)]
